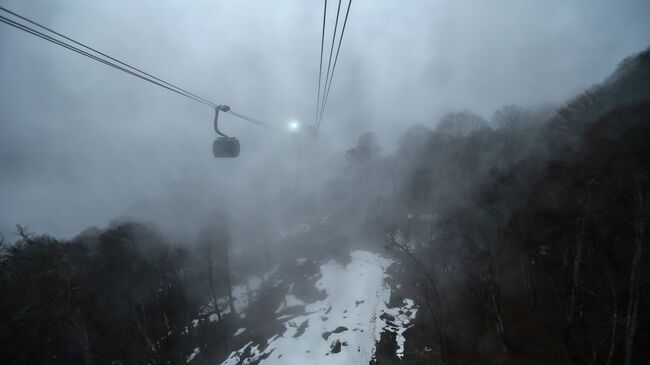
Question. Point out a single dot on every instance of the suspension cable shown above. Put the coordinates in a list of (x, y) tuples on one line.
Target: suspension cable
[(84, 53), (338, 49), (101, 53), (329, 64), (252, 120), (124, 68), (320, 65)]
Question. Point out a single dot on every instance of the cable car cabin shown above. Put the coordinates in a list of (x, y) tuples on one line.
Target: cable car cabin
[(225, 147)]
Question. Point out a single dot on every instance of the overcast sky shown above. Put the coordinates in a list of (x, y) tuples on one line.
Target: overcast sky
[(81, 144)]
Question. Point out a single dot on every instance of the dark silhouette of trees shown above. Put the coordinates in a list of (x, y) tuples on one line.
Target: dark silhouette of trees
[(123, 295), (214, 244), (460, 124), (367, 150), (539, 224)]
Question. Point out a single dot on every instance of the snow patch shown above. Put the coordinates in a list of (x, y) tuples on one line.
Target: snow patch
[(193, 355), (242, 296), (295, 230), (343, 328), (289, 301), (397, 320)]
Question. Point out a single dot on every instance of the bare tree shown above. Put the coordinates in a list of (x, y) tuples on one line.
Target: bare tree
[(431, 295), (24, 233), (631, 326), (214, 246), (460, 124)]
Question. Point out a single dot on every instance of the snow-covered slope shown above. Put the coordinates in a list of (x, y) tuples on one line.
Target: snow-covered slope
[(342, 328)]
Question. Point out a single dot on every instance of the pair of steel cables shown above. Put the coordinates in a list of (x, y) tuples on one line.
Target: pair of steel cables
[(32, 27), (324, 88)]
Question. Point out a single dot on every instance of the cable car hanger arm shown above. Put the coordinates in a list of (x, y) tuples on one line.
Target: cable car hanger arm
[(224, 108)]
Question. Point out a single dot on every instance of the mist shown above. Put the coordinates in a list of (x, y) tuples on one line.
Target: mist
[(454, 131), (82, 143)]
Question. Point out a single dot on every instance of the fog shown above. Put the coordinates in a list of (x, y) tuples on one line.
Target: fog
[(479, 190), (82, 144)]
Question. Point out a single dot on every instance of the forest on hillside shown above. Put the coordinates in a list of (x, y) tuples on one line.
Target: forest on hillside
[(522, 237)]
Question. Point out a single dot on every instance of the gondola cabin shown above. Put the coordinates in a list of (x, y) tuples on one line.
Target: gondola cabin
[(225, 147)]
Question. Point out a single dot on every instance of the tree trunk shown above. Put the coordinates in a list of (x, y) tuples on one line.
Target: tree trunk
[(82, 331), (528, 286), (635, 293), (612, 343), (231, 302), (578, 258), (203, 343), (436, 313), (141, 325), (215, 303), (498, 316)]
